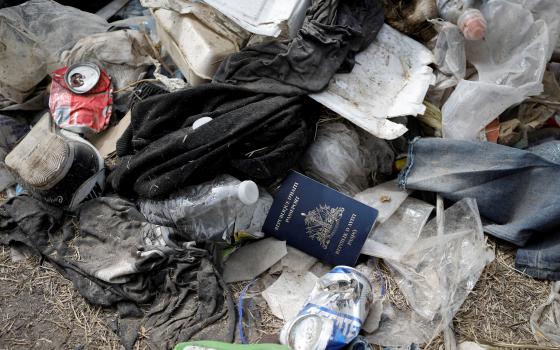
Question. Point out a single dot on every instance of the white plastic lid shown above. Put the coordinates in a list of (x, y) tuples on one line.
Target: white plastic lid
[(248, 192), (200, 122)]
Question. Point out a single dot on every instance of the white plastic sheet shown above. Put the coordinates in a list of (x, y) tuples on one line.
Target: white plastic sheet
[(264, 17), (510, 62), (390, 79)]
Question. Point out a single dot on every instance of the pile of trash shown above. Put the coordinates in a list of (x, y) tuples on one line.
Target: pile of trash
[(157, 151)]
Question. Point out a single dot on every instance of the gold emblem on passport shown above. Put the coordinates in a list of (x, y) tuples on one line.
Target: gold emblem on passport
[(321, 223)]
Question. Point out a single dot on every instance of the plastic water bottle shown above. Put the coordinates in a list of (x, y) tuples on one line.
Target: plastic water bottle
[(470, 21), (207, 212)]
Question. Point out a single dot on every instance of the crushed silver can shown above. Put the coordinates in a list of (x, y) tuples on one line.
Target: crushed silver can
[(82, 77), (333, 314)]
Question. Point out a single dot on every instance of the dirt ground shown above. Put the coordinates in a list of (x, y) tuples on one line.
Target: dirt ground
[(41, 310)]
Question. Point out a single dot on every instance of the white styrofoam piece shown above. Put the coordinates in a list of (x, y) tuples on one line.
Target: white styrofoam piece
[(288, 294), (196, 49), (264, 17), (390, 79)]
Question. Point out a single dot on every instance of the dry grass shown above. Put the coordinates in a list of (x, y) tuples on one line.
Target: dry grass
[(38, 308), (497, 311)]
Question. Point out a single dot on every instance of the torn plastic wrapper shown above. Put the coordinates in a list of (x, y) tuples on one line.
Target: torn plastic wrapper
[(394, 237), (526, 31), (85, 113), (390, 79), (265, 17), (438, 271)]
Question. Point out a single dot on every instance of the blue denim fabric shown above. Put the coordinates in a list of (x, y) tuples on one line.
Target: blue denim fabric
[(517, 190)]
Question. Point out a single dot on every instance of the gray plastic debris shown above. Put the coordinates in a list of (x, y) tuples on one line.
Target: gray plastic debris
[(545, 320), (390, 79), (526, 31), (288, 294), (253, 259), (30, 49)]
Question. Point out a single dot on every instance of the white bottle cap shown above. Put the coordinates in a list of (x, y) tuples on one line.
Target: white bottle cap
[(200, 122), (248, 192)]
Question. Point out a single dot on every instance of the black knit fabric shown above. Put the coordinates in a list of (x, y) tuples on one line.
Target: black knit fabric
[(254, 136), (333, 32)]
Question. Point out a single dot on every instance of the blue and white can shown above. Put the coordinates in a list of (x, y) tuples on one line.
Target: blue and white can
[(333, 314)]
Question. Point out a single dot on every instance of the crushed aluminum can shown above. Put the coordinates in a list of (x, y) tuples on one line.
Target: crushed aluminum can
[(82, 77), (82, 113), (333, 314)]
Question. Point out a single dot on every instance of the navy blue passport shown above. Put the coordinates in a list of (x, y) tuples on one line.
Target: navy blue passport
[(319, 221)]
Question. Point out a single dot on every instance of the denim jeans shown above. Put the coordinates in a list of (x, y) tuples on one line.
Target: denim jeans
[(515, 189)]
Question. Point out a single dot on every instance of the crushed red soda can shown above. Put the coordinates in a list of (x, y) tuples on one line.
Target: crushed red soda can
[(86, 111), (333, 314)]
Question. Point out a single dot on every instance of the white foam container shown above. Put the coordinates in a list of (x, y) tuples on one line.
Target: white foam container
[(264, 17), (196, 50)]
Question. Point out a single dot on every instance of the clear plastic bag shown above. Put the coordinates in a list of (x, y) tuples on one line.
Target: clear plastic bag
[(392, 238), (439, 270), (510, 62), (449, 52), (545, 320), (211, 211), (343, 159), (32, 37)]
